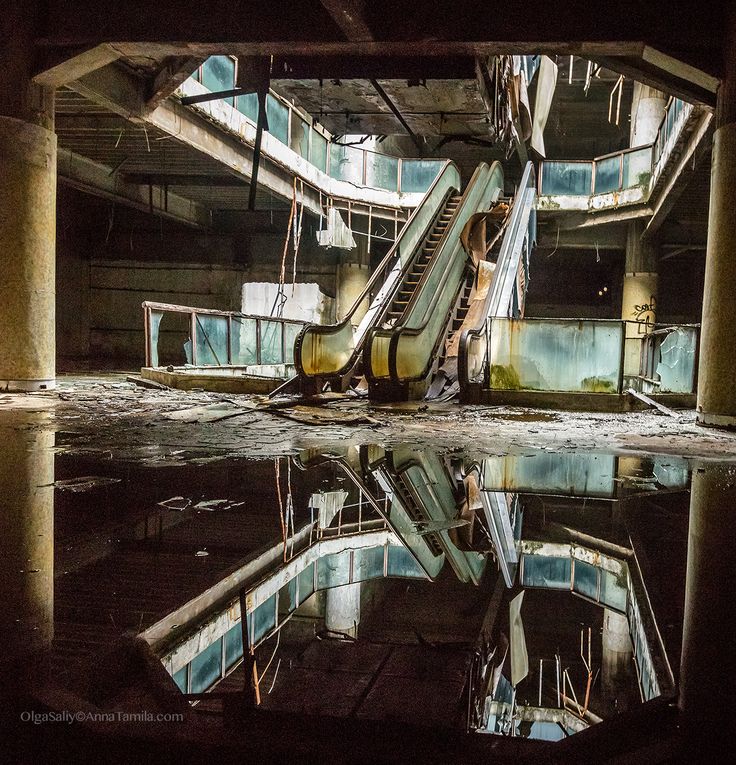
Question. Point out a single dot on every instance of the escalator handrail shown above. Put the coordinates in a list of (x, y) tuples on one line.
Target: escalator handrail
[(379, 275), (518, 223), (451, 238)]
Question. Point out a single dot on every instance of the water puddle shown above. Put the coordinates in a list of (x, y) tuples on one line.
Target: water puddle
[(532, 594)]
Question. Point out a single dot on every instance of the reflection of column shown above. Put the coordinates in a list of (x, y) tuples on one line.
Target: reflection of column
[(708, 665), (647, 111), (716, 391), (27, 211), (353, 272), (26, 545), (617, 660), (639, 303), (342, 609)]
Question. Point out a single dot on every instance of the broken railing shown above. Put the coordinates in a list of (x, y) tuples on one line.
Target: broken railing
[(669, 359), (224, 338)]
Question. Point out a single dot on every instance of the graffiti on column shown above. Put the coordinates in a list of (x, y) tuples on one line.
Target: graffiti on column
[(644, 315)]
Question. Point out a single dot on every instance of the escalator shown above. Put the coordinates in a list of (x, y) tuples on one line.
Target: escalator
[(332, 354), (502, 294), (404, 349)]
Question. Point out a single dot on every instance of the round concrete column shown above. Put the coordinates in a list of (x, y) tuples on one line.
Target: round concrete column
[(342, 609), (647, 111), (26, 544), (27, 244), (708, 664), (616, 665), (639, 301), (353, 273), (716, 389)]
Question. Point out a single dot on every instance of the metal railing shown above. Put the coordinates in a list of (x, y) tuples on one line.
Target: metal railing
[(611, 172), (224, 338), (296, 129)]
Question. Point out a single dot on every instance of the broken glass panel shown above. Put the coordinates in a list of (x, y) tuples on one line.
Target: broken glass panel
[(243, 341), (211, 340), (218, 73), (319, 151), (154, 326), (291, 331), (180, 678), (306, 583), (614, 592), (299, 136), (346, 163), (676, 368), (271, 347)]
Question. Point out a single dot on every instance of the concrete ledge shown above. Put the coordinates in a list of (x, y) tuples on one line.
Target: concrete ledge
[(235, 382), (582, 402)]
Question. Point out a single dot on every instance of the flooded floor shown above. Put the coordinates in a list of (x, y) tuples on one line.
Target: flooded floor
[(472, 576)]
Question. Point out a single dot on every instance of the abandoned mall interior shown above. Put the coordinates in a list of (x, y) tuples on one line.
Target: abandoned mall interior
[(366, 381)]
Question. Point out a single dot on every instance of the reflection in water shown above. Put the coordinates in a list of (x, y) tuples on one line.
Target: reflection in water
[(26, 541), (376, 583)]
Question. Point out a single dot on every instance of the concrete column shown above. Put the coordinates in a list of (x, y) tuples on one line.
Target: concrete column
[(26, 547), (616, 664), (708, 664), (647, 111), (353, 273), (342, 609), (27, 211), (639, 301), (716, 389)]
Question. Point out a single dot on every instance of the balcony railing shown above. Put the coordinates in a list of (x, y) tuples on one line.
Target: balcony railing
[(295, 129), (224, 338), (603, 175)]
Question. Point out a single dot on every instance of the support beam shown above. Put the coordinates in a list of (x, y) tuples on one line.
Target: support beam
[(84, 174), (395, 111), (62, 67), (174, 71), (115, 90), (349, 15)]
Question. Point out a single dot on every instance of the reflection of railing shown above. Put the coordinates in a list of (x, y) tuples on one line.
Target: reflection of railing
[(294, 129), (224, 338), (602, 175)]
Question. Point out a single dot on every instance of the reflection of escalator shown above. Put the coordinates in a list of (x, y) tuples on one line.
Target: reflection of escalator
[(332, 354)]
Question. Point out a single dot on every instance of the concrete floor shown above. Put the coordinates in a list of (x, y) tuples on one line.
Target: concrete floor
[(106, 414)]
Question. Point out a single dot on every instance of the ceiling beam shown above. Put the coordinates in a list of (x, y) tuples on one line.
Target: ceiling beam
[(59, 67), (350, 17), (82, 173), (372, 67), (395, 111), (170, 76)]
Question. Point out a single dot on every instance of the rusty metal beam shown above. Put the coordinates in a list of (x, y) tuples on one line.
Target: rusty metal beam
[(395, 111)]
